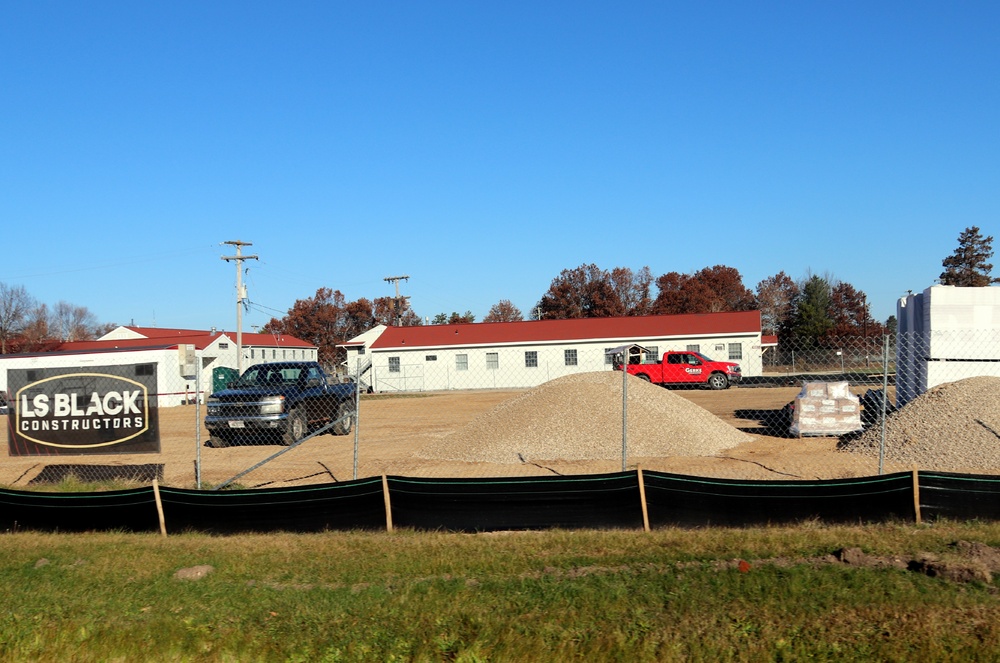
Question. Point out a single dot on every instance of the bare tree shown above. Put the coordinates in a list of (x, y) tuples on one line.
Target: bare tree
[(73, 323), (15, 306), (776, 297), (633, 289)]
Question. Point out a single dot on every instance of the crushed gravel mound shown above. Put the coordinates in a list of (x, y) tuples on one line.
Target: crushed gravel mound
[(952, 427), (579, 417)]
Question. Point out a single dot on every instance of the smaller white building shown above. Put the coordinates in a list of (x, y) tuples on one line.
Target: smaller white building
[(214, 357)]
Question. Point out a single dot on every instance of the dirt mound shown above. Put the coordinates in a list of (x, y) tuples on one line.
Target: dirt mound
[(579, 417), (951, 427)]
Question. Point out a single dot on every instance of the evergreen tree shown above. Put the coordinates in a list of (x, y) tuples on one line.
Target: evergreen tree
[(968, 266), (813, 320)]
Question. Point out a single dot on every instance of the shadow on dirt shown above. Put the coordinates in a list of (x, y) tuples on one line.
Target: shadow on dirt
[(773, 423)]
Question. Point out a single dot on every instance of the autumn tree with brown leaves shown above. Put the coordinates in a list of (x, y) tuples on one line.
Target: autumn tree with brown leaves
[(849, 312), (715, 289), (583, 292), (393, 312), (504, 311), (327, 319), (318, 320)]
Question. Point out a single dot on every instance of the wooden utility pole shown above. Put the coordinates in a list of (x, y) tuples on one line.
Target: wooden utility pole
[(241, 295), (397, 300)]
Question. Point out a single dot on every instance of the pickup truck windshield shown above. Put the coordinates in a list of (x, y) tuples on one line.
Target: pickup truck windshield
[(263, 375)]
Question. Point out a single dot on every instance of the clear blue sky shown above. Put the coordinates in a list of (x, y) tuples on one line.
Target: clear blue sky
[(483, 147)]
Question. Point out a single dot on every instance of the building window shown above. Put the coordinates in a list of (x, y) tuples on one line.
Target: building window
[(461, 362), (735, 351), (144, 369), (694, 347), (361, 350), (492, 361), (394, 364), (609, 359), (251, 353), (531, 359), (223, 346), (570, 357), (431, 358), (719, 347), (653, 354), (274, 354)]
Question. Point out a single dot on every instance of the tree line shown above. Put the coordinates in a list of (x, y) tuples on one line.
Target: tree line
[(814, 310), (27, 325)]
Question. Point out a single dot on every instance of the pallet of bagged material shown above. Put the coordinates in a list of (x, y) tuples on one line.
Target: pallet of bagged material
[(825, 409)]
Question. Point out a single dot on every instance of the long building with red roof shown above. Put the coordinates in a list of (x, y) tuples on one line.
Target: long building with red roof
[(526, 354)]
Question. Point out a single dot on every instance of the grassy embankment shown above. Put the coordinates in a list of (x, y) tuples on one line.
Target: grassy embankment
[(619, 596)]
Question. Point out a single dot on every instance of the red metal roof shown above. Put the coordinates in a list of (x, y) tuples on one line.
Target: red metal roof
[(549, 331), (157, 338), (164, 332)]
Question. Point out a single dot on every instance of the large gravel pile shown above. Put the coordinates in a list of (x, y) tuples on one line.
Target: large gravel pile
[(951, 427), (579, 417)]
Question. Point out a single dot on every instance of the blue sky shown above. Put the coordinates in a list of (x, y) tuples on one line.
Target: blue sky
[(482, 147)]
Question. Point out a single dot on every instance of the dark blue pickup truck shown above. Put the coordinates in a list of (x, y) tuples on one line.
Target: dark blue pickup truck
[(285, 400)]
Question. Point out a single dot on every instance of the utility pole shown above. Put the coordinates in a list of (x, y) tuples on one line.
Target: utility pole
[(241, 295), (397, 300)]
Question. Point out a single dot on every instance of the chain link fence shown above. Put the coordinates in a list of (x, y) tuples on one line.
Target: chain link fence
[(927, 399)]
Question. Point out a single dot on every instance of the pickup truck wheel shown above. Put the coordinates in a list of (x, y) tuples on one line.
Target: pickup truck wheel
[(296, 428), (215, 442), (345, 420), (718, 381), (643, 377)]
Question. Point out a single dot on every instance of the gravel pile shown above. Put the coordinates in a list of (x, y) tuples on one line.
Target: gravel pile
[(951, 427), (579, 417)]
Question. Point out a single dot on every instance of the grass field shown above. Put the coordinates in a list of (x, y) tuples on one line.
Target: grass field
[(669, 595)]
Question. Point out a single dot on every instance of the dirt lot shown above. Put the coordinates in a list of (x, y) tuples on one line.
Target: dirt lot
[(393, 428)]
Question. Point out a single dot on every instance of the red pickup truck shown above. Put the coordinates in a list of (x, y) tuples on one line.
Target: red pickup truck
[(686, 367)]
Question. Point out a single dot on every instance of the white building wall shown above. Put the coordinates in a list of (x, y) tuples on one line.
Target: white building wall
[(436, 368)]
